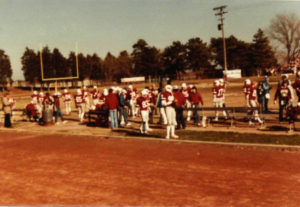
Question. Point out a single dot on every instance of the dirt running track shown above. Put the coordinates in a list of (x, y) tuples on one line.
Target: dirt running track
[(78, 170)]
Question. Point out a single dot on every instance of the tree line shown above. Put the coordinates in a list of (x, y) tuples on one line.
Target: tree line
[(145, 60), (173, 61)]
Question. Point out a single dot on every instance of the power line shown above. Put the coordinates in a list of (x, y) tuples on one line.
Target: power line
[(220, 13)]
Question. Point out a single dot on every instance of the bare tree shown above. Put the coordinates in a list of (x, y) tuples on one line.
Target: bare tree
[(285, 30)]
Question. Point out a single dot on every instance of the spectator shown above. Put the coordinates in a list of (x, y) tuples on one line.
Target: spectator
[(195, 98), (7, 110), (266, 94), (123, 118), (111, 103), (260, 96), (284, 95), (180, 102), (57, 110), (296, 86)]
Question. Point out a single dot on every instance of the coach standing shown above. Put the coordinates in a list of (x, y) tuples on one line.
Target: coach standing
[(195, 99), (180, 102), (112, 104), (7, 110)]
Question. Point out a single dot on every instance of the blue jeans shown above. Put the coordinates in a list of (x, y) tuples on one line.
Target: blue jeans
[(196, 114), (58, 113), (123, 113), (113, 118)]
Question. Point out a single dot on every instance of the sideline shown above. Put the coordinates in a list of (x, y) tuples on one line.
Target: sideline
[(230, 144)]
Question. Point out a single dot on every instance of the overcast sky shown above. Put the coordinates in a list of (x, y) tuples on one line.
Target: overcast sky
[(101, 26)]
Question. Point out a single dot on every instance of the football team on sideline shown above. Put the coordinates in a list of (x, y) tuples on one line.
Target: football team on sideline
[(170, 102)]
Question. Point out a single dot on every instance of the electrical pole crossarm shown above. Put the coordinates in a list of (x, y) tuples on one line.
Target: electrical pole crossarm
[(221, 27)]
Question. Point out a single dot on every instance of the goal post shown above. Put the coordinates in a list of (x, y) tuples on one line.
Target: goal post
[(59, 78)]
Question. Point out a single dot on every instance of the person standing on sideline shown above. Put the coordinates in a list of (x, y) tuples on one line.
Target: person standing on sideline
[(218, 98), (180, 102), (7, 110), (163, 116), (111, 103), (266, 92), (168, 102), (79, 104), (57, 110), (253, 102), (123, 118), (296, 86), (283, 93), (85, 95), (195, 99), (67, 101), (144, 105), (95, 94)]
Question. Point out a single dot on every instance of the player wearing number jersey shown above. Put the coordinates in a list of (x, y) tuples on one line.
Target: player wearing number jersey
[(253, 101), (95, 94), (35, 97), (218, 98), (66, 96), (144, 105), (168, 101), (79, 103), (283, 93), (85, 95), (131, 97), (186, 92), (246, 89)]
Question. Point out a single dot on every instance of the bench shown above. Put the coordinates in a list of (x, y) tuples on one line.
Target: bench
[(233, 113), (97, 118)]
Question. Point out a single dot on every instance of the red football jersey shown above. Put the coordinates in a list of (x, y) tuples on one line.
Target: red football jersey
[(131, 94), (35, 99), (196, 98), (180, 100), (78, 99), (41, 99), (95, 94), (218, 91), (66, 97), (186, 93), (247, 89), (168, 98), (253, 93), (85, 93), (102, 99), (143, 103)]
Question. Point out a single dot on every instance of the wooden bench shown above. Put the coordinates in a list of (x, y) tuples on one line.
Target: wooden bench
[(233, 113), (97, 118)]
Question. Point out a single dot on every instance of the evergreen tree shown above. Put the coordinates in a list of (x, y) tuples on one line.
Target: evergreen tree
[(31, 66), (198, 54), (262, 54), (174, 59), (5, 68)]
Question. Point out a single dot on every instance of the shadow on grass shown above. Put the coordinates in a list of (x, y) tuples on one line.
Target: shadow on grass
[(240, 137), (277, 128), (135, 133)]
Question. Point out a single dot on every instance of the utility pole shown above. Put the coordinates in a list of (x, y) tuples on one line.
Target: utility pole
[(220, 13)]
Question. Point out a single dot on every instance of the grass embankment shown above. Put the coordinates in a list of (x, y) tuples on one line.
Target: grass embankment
[(234, 137)]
